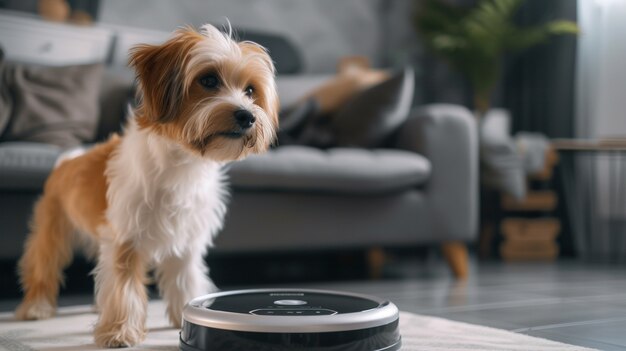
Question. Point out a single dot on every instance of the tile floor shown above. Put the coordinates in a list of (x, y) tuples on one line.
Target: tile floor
[(576, 303), (572, 302)]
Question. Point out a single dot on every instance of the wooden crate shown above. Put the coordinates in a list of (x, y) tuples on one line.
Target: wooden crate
[(530, 229), (530, 239), (535, 200), (512, 251)]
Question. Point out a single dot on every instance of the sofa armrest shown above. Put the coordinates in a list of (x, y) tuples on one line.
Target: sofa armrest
[(447, 135)]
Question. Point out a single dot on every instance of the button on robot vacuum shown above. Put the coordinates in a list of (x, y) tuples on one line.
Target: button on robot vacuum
[(293, 312), (290, 302)]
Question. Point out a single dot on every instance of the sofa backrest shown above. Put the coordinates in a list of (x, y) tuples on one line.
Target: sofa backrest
[(117, 91), (65, 44)]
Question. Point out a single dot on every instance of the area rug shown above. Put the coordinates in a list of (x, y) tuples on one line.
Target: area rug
[(71, 329)]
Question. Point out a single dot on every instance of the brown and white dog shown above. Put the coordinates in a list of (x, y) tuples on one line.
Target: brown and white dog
[(154, 198)]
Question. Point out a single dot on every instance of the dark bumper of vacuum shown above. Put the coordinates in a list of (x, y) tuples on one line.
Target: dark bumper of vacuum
[(208, 339)]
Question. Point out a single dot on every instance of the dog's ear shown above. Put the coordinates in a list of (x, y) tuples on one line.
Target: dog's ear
[(160, 74)]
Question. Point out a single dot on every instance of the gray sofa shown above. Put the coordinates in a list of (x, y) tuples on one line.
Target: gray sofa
[(423, 189)]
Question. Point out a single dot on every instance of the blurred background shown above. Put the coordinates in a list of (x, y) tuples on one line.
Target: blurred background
[(524, 176), (462, 158), (324, 31)]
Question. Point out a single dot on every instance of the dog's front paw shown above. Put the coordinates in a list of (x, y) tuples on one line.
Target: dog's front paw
[(116, 335), (175, 315), (32, 310)]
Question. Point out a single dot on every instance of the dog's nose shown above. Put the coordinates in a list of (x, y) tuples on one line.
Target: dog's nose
[(244, 118)]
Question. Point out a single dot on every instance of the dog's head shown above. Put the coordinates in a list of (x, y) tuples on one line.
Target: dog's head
[(214, 96)]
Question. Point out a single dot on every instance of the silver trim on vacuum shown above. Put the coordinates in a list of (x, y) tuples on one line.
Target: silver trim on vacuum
[(195, 312)]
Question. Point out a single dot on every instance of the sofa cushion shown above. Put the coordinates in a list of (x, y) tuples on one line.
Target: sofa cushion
[(55, 105), (372, 115), (25, 166), (337, 170)]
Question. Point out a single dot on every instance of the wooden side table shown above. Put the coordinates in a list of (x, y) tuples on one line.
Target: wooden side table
[(523, 229), (529, 227)]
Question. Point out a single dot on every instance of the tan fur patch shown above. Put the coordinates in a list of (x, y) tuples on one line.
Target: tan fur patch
[(81, 186), (74, 199)]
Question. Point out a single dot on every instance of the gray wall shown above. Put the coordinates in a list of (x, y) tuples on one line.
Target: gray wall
[(323, 29)]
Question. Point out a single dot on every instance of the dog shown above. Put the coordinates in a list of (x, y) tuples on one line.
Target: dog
[(154, 198)]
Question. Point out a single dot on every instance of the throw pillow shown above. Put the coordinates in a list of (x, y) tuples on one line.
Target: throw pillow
[(6, 101), (373, 114), (55, 105), (293, 117), (293, 120)]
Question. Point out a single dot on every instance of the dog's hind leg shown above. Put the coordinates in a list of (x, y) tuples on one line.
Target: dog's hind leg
[(48, 251)]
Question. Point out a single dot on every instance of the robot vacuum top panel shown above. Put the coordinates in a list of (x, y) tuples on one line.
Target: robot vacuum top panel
[(289, 311)]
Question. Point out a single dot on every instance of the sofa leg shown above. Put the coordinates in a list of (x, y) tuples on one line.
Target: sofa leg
[(376, 258), (455, 253)]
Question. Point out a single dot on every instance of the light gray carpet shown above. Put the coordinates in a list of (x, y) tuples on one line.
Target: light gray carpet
[(71, 329)]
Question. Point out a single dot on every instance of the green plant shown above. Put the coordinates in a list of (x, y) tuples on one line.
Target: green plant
[(474, 40)]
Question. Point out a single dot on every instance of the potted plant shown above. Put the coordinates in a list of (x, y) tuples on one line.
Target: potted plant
[(474, 40)]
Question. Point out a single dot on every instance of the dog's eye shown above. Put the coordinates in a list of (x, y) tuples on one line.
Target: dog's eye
[(209, 81), (249, 90)]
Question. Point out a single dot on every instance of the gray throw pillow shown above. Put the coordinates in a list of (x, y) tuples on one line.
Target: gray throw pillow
[(55, 105), (294, 119), (6, 101), (372, 115)]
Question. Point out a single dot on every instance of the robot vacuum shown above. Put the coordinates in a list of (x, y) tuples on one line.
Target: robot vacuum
[(289, 319)]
